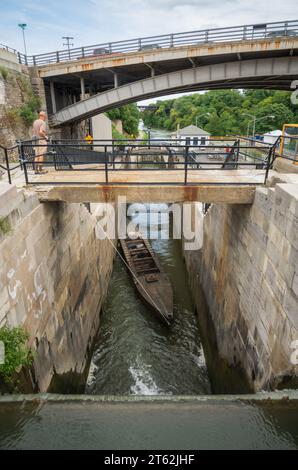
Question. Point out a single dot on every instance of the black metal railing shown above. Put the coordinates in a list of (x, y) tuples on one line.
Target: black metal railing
[(77, 162), (287, 148), (206, 36)]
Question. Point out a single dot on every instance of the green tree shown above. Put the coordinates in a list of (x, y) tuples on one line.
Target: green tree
[(129, 115)]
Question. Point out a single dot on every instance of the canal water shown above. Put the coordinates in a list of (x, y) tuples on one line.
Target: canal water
[(68, 423), (135, 353)]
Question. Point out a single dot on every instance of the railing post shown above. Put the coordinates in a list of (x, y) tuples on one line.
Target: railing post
[(7, 165), (172, 40), (238, 150), (19, 57), (20, 154), (268, 164), (57, 56), (113, 153), (34, 60), (110, 47), (106, 165), (186, 163), (83, 52), (24, 163)]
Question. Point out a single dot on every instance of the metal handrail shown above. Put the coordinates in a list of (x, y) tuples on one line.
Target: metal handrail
[(62, 157), (8, 49), (206, 36)]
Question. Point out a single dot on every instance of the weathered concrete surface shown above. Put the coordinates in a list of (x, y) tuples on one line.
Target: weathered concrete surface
[(54, 275), (209, 50), (15, 91), (279, 72), (248, 267), (101, 128), (154, 193), (282, 165), (10, 61)]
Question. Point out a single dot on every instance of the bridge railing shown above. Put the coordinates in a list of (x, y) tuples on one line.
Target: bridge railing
[(77, 162), (206, 36)]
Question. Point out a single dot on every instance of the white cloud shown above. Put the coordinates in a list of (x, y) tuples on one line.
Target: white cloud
[(96, 21)]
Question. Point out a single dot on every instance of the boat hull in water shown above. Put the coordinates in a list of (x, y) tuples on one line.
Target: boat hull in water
[(151, 282)]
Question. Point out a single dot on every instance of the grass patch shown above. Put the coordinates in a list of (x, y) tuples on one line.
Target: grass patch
[(5, 226), (3, 72)]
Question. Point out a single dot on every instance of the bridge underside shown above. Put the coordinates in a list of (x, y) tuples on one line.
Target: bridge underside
[(275, 73), (214, 186)]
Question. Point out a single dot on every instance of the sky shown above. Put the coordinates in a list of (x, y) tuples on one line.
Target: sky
[(96, 21)]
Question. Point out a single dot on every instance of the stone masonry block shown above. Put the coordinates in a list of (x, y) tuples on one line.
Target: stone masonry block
[(292, 232), (290, 193), (295, 284), (9, 199), (290, 306), (263, 201)]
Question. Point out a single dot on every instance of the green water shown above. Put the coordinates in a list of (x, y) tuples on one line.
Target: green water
[(135, 353), (215, 424)]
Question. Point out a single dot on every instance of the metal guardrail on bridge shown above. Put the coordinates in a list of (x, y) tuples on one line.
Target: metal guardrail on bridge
[(207, 36), (76, 162)]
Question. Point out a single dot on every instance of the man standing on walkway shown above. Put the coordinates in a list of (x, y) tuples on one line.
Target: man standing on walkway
[(40, 135)]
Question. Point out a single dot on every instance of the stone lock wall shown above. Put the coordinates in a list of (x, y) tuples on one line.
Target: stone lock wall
[(248, 268), (54, 275), (15, 88)]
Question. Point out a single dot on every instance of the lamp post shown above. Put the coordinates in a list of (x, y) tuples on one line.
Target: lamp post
[(254, 120), (23, 26)]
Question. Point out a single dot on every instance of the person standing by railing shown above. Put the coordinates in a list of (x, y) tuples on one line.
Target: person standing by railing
[(40, 135)]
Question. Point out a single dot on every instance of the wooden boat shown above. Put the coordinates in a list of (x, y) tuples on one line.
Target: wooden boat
[(150, 280)]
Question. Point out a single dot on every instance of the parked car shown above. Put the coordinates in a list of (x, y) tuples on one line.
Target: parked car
[(281, 32), (149, 47), (99, 52)]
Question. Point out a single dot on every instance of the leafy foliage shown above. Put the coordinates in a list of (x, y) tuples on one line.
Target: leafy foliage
[(224, 112), (28, 111), (17, 354), (129, 115)]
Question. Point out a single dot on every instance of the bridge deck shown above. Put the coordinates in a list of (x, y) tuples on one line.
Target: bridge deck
[(218, 177), (217, 186)]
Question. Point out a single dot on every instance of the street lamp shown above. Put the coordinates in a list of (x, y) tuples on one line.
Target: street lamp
[(254, 120), (23, 26)]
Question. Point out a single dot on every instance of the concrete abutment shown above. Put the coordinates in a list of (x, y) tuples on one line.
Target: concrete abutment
[(54, 275), (248, 269)]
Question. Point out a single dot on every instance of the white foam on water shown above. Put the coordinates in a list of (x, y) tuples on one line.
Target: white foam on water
[(91, 379), (144, 383), (200, 358)]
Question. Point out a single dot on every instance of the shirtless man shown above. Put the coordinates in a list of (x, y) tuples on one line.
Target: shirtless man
[(39, 133)]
